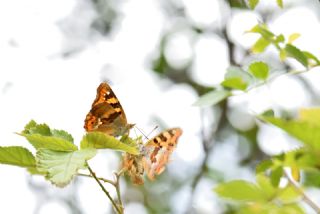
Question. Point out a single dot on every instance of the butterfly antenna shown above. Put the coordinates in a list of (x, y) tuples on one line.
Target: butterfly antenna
[(151, 132), (141, 132)]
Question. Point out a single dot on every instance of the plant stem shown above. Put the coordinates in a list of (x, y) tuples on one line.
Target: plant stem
[(100, 178), (115, 206), (117, 186), (305, 198)]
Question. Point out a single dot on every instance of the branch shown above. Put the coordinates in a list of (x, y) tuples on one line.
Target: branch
[(305, 198), (115, 206)]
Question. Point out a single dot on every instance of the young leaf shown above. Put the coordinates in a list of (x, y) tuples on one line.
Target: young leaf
[(280, 3), (259, 69), (240, 190), (282, 54), (260, 45), (280, 38), (276, 175), (288, 194), (235, 83), (297, 54), (312, 115), (263, 31), (265, 184), (212, 98), (50, 142), (253, 3), (237, 78), (60, 167), (263, 166), (293, 37), (100, 140), (312, 59), (17, 156)]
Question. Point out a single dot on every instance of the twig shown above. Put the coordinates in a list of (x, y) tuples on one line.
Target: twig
[(115, 206), (117, 186), (100, 178), (305, 198)]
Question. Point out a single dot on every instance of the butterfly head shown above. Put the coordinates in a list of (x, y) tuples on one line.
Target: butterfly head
[(124, 130)]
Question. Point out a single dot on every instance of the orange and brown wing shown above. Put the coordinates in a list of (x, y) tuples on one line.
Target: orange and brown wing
[(158, 151), (133, 166), (106, 114)]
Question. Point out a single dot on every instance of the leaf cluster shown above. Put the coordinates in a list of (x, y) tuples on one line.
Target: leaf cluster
[(257, 73), (56, 156), (267, 195)]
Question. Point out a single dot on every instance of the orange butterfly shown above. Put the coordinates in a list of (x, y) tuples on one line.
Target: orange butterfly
[(106, 114), (154, 156)]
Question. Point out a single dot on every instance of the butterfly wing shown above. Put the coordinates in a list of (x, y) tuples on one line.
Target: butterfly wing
[(132, 164), (107, 114), (158, 151)]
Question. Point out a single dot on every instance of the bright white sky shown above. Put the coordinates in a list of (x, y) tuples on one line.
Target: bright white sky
[(37, 83)]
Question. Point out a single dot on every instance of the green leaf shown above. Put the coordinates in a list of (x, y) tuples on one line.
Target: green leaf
[(131, 142), (288, 194), (270, 208), (280, 3), (263, 30), (49, 142), (62, 134), (312, 59), (260, 45), (265, 184), (212, 98), (60, 167), (35, 171), (312, 178), (276, 175), (306, 132), (100, 140), (259, 69), (297, 54), (268, 113), (293, 37), (253, 3), (41, 136), (312, 115), (282, 54), (263, 166), (237, 4), (237, 78), (17, 156), (240, 190), (235, 83), (280, 38), (33, 128)]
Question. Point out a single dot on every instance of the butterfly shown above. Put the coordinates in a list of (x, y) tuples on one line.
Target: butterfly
[(106, 114), (153, 157)]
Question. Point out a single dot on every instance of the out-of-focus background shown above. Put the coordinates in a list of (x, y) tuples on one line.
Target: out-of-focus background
[(158, 56)]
